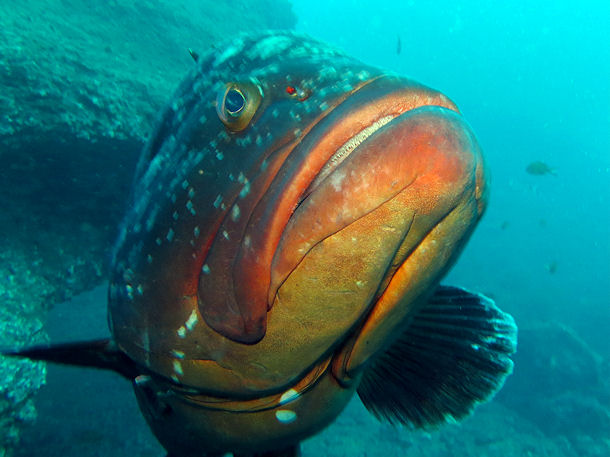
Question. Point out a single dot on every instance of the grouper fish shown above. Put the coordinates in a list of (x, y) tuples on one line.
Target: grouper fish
[(291, 219)]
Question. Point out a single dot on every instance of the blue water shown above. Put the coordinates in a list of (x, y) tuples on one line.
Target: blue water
[(533, 79)]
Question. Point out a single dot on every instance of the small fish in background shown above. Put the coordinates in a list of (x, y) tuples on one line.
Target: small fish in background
[(194, 55), (504, 225), (398, 45), (551, 267), (539, 168)]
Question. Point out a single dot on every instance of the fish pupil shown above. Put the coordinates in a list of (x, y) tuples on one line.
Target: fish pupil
[(234, 101)]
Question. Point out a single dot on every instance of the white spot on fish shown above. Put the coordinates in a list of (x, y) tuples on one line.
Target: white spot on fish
[(178, 354), (142, 379), (150, 220), (285, 416), (289, 395), (229, 52), (225, 234), (192, 321), (178, 368), (205, 269), (170, 235), (220, 155), (336, 179), (189, 206), (217, 201), (245, 190), (363, 75), (273, 45), (196, 231), (235, 211), (181, 332)]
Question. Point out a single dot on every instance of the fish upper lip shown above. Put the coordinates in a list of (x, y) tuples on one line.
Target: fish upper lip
[(345, 150), (349, 145)]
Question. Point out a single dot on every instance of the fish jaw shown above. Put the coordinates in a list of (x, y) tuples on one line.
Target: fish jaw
[(427, 153), (420, 171)]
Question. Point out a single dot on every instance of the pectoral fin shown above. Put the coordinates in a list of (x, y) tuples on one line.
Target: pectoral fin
[(454, 354)]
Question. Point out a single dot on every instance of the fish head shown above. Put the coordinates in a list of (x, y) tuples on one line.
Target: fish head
[(293, 203)]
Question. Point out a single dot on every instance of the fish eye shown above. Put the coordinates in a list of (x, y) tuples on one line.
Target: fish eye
[(234, 102), (237, 103)]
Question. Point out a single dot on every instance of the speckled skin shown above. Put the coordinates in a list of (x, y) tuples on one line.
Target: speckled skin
[(269, 255)]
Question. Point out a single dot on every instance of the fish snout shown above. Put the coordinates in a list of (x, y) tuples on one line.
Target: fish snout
[(401, 180)]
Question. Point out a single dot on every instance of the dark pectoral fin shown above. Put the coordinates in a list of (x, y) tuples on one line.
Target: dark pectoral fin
[(96, 354), (454, 354)]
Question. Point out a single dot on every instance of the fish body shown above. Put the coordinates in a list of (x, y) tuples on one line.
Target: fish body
[(291, 219)]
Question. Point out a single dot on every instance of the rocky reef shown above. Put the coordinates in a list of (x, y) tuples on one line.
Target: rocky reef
[(561, 386), (81, 83)]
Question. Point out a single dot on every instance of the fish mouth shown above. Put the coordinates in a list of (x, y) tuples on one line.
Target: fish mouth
[(419, 150)]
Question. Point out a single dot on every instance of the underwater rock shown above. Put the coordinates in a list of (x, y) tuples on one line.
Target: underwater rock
[(81, 85), (558, 384), (19, 379), (73, 69)]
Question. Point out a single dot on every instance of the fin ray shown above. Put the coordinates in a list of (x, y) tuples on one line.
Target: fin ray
[(454, 355)]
